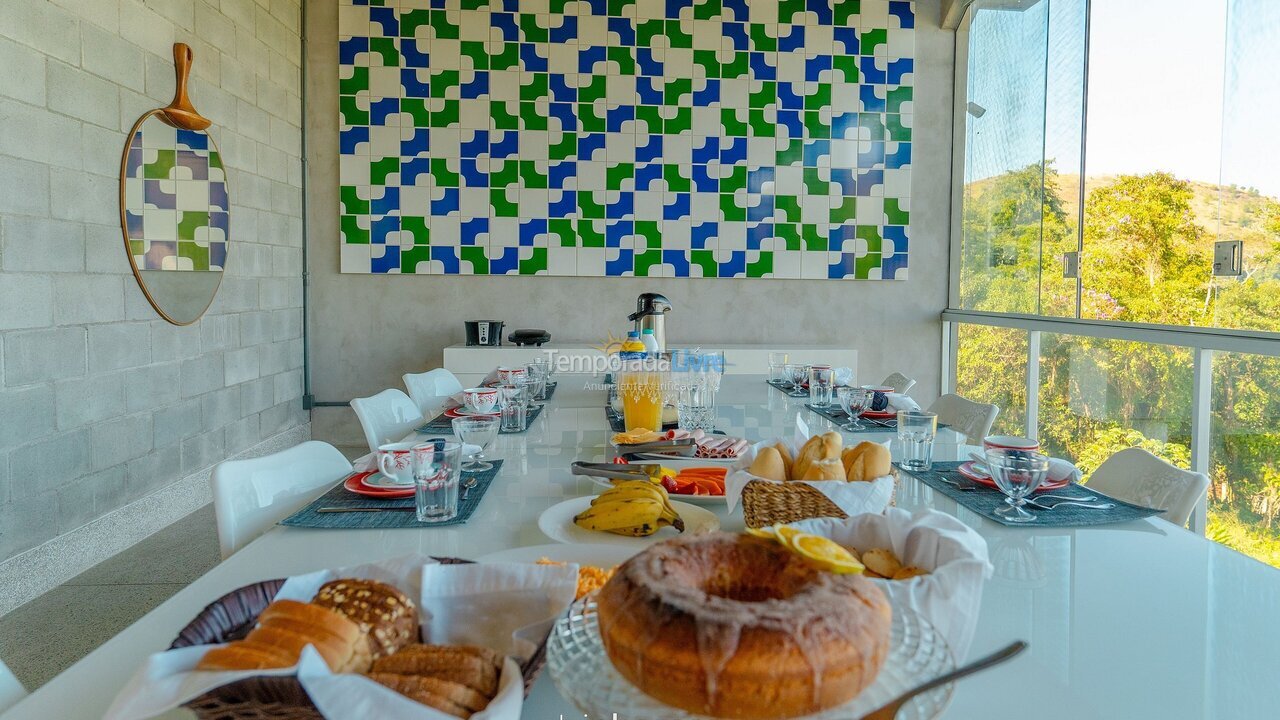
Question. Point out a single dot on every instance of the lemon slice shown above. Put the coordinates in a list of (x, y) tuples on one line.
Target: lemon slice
[(763, 532), (786, 534), (825, 553)]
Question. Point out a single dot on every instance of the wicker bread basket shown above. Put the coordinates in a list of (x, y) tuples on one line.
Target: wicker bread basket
[(765, 503), (231, 617)]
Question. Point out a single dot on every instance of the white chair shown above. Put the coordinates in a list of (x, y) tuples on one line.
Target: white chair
[(249, 496), (386, 417), (899, 382), (11, 691), (973, 419), (431, 388), (1135, 475)]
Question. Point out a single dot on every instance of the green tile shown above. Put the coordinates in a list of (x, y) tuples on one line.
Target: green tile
[(500, 205), (190, 222), (820, 99), (352, 233), (680, 120), (862, 266), (479, 55), (536, 263), (645, 261), (352, 203), (447, 115), (444, 28), (386, 50), (870, 39), (590, 234), (789, 206), (845, 11), (417, 227), (707, 10), (870, 234), (594, 90), (411, 20), (411, 257), (197, 254), (650, 116), (738, 67), (352, 114), (358, 82), (651, 231), (442, 176), (616, 175), (530, 118), (588, 208), (676, 36), (565, 148), (814, 184), (896, 130), (761, 125), (561, 231), (476, 255), (475, 4), (762, 267), (787, 10), (502, 118), (766, 95), (761, 39), (624, 59), (507, 57), (792, 154), (533, 86), (736, 180), (380, 169), (729, 211), (894, 214), (871, 123), (589, 121), (530, 31), (815, 127), (846, 211), (789, 233), (647, 30), (846, 67), (709, 62), (706, 260), (675, 88), (815, 239), (530, 177), (505, 176), (162, 167), (896, 97), (621, 8), (441, 81), (730, 125), (675, 181)]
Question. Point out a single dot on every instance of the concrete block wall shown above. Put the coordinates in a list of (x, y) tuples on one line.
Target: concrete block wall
[(101, 401)]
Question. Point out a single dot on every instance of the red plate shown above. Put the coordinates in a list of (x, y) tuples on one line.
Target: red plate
[(355, 484), (880, 414), (980, 477)]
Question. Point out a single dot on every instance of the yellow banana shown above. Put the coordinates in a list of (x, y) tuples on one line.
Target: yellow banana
[(637, 517), (632, 489)]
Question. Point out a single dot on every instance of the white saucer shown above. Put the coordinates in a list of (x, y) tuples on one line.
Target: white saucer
[(382, 482), (597, 554), (469, 413), (556, 522)]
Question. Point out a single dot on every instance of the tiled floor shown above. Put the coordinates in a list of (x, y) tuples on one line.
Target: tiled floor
[(49, 634)]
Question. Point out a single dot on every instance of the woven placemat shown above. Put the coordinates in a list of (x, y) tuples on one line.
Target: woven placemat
[(869, 425), (341, 497), (984, 501), (444, 423), (785, 388), (766, 503)]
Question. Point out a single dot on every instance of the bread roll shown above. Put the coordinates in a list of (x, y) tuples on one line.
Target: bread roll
[(787, 460), (882, 561), (867, 461), (446, 662), (819, 447), (455, 693), (828, 469), (334, 652), (242, 655), (908, 572), (420, 690), (387, 615), (768, 465)]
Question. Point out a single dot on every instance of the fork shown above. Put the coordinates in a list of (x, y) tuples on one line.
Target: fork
[(1089, 505), (890, 710)]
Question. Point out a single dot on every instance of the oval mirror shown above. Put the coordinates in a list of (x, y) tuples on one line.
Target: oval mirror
[(175, 210)]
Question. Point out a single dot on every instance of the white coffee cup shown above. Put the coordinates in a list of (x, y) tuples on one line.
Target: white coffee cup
[(480, 400), (395, 462)]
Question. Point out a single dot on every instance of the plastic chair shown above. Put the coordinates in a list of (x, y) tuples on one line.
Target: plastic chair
[(899, 382), (431, 388), (386, 417), (11, 691), (249, 496), (974, 419), (1135, 475)]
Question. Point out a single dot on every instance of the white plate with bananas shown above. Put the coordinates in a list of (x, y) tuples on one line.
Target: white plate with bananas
[(623, 521)]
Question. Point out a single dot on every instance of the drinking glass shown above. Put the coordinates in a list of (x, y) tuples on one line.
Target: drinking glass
[(916, 431), (479, 431), (537, 383), (854, 401), (777, 366), (641, 392), (821, 382), (437, 467), (511, 399), (796, 375), (546, 368), (1017, 473)]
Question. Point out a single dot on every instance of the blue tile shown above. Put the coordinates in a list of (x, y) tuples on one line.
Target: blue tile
[(507, 263), (389, 261), (412, 168), (477, 145), (351, 137), (473, 229), (821, 9), (651, 151), (870, 103), (703, 233), (678, 260), (504, 144), (380, 227), (449, 203), (871, 73), (791, 120), (380, 110), (814, 150), (568, 30), (647, 64), (737, 33), (708, 151), (588, 57), (621, 265), (559, 173), (506, 24), (650, 90), (589, 145), (846, 40), (757, 177), (566, 206), (734, 9), (760, 67), (478, 87), (350, 47), (625, 207), (677, 208), (792, 42), (412, 86), (387, 19), (735, 266), (531, 229), (615, 231), (412, 56), (530, 60), (733, 151), (560, 88), (844, 267), (625, 29), (791, 96), (648, 176), (867, 180), (815, 66), (419, 144), (566, 114), (472, 174), (709, 95), (757, 234), (616, 116), (900, 68), (703, 181), (388, 204), (899, 158), (902, 10)]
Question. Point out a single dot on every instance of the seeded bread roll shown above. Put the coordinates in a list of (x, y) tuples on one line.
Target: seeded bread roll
[(387, 615)]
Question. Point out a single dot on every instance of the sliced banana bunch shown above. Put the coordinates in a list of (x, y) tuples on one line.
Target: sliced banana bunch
[(636, 508)]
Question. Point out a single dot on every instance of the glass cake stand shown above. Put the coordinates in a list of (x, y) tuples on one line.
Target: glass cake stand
[(583, 673)]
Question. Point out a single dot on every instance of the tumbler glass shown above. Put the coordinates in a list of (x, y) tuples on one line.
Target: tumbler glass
[(437, 466), (821, 383), (777, 366), (512, 401), (916, 431)]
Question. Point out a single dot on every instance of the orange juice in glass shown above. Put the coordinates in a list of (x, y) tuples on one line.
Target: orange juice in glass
[(641, 394)]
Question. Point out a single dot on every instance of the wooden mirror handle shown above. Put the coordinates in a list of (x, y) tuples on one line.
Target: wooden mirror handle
[(181, 113)]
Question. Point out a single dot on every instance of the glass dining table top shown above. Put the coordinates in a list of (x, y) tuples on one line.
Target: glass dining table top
[(1135, 620)]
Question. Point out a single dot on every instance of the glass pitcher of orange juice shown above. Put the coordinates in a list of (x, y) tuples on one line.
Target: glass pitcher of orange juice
[(641, 394)]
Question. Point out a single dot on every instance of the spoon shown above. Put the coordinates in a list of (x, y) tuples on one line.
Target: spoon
[(887, 712), (468, 484)]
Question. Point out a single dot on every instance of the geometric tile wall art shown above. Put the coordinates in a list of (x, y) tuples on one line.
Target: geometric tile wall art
[(676, 138), (176, 206)]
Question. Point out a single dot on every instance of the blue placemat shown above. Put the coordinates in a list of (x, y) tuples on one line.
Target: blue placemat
[(985, 500), (869, 425), (444, 424), (785, 388), (341, 497)]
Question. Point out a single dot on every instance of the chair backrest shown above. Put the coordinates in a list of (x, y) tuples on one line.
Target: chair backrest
[(249, 496), (1135, 475), (430, 389), (386, 417), (974, 419), (899, 382), (11, 691)]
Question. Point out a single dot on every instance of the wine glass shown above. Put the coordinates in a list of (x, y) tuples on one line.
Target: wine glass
[(797, 374), (854, 401), (1017, 473), (479, 431)]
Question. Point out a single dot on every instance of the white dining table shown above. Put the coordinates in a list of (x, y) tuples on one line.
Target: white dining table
[(1135, 620)]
